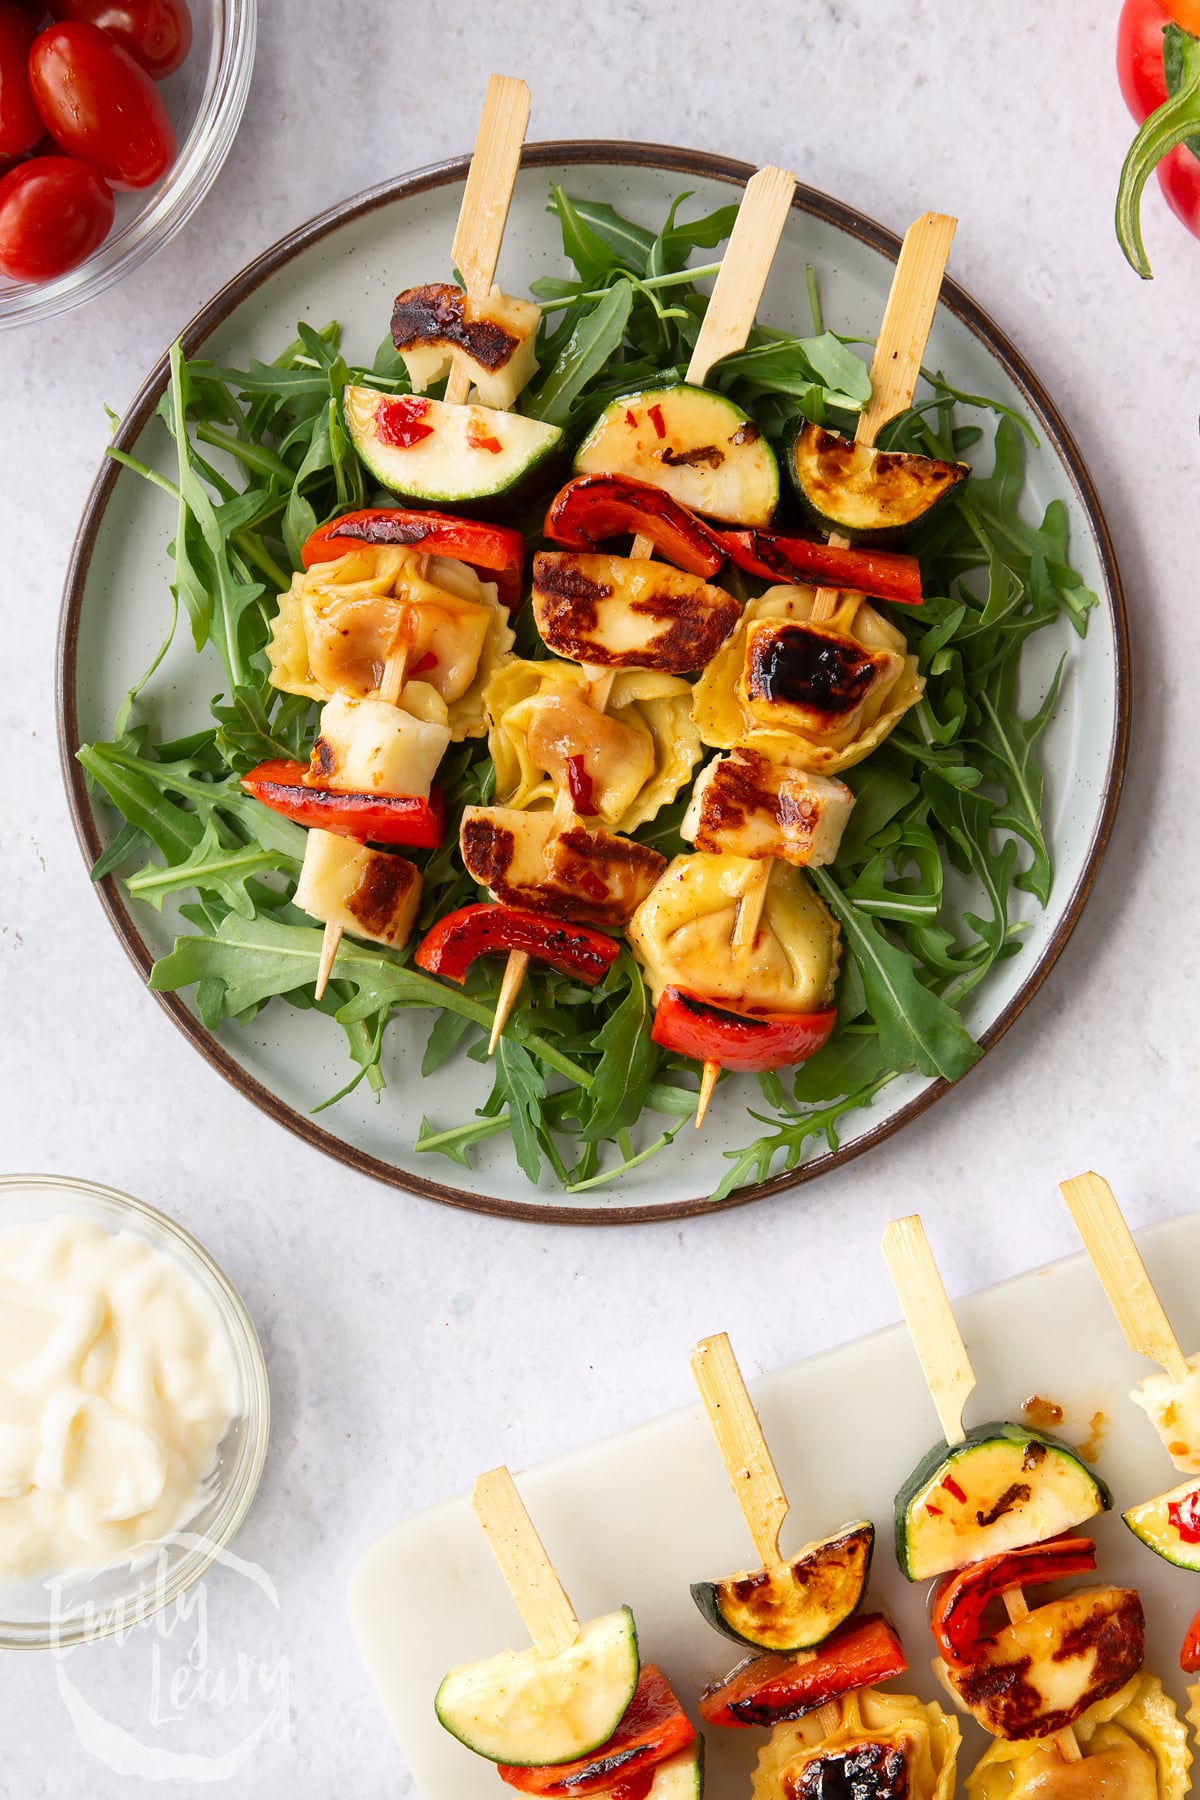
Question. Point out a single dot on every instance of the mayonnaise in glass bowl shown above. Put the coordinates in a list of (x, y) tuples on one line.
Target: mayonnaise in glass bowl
[(67, 1608)]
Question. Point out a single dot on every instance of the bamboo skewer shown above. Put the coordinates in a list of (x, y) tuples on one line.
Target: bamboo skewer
[(944, 1364), (748, 1464), (475, 251), (726, 326), (1109, 1242), (539, 1595), (895, 366)]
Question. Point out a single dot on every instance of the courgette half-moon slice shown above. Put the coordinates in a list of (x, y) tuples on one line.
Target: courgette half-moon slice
[(1002, 1487), (1170, 1524), (698, 446), (870, 496), (449, 455), (523, 1708), (796, 1606)]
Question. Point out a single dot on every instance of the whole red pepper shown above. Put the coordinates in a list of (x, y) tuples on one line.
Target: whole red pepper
[(493, 930), (287, 788), (765, 1689), (595, 507), (751, 1042), (495, 552), (1170, 136), (957, 1618), (885, 574)]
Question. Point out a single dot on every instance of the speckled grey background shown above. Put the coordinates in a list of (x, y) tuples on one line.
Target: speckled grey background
[(410, 1345)]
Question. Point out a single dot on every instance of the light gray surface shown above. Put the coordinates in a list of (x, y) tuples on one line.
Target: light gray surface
[(409, 1345)]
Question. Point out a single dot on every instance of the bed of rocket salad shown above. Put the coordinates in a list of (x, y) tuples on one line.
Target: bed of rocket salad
[(264, 458)]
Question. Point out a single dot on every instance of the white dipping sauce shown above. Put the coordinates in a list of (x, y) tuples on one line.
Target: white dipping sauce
[(117, 1384)]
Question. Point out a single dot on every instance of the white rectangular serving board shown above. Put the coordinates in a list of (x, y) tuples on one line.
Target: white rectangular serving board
[(638, 1517)]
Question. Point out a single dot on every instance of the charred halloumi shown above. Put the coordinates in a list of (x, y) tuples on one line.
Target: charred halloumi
[(371, 747), (494, 341), (370, 893), (629, 612), (538, 861), (756, 805)]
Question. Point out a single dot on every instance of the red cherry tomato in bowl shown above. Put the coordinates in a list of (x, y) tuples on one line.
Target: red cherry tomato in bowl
[(156, 33), (99, 105), (20, 121), (54, 211)]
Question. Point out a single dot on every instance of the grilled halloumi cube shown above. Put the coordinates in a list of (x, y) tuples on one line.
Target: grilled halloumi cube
[(536, 860), (756, 805), (804, 677), (372, 747), (495, 341), (629, 612), (370, 893)]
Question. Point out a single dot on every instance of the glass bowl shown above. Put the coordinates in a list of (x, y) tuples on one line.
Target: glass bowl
[(205, 98), (49, 1612)]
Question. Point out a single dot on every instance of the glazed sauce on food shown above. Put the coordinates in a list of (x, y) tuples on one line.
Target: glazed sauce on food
[(398, 423), (1043, 1415), (811, 669)]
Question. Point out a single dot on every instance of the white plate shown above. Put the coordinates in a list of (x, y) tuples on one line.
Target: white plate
[(347, 265), (637, 1518)]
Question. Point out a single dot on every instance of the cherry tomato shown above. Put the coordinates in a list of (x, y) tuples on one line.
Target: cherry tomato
[(1179, 178), (156, 33), (20, 121), (54, 211), (1140, 56), (99, 105)]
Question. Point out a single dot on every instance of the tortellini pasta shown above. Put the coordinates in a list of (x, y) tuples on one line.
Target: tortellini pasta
[(1134, 1748), (635, 756), (681, 935), (734, 700), (909, 1746), (340, 621)]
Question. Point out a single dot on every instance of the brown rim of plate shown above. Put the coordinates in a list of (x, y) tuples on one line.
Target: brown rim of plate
[(674, 161)]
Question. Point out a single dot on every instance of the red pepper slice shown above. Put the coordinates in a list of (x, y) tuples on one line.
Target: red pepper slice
[(957, 1620), (481, 930), (399, 422), (765, 1689), (653, 1727), (748, 1041), (1185, 1516), (884, 574), (495, 552), (594, 507), (377, 818), (1189, 1656)]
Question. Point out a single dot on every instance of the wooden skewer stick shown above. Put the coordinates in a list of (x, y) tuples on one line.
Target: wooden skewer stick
[(532, 1580), (516, 967), (944, 1363), (1109, 1242), (895, 366), (486, 200), (748, 1464)]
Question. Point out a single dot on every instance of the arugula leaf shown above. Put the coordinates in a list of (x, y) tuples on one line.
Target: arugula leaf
[(524, 1089), (593, 342), (628, 1058), (213, 866)]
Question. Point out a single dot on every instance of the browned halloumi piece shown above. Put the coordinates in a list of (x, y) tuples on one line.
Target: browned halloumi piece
[(527, 859), (756, 805), (629, 612), (371, 893), (494, 339)]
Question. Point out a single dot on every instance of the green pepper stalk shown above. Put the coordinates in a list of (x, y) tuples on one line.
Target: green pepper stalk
[(1177, 120)]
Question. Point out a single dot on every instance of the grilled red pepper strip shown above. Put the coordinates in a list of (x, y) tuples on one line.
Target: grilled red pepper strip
[(653, 1727), (374, 818), (493, 551), (765, 1689), (957, 1620), (595, 507), (748, 1041), (1189, 1656), (884, 574), (481, 930)]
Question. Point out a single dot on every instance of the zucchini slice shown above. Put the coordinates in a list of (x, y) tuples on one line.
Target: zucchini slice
[(1004, 1486), (868, 495), (797, 1605), (522, 1708), (680, 1777), (1170, 1525), (702, 449), (448, 455)]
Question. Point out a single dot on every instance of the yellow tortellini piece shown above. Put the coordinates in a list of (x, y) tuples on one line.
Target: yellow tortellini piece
[(926, 1737), (681, 935), (340, 621), (631, 760), (1134, 1748), (725, 714)]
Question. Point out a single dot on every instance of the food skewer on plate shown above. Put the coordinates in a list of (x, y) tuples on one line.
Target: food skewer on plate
[(979, 1508), (578, 1713), (727, 322), (478, 235), (895, 367)]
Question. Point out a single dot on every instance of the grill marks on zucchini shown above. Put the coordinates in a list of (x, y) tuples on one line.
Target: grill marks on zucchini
[(799, 1604), (1003, 1487), (868, 495), (703, 450)]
